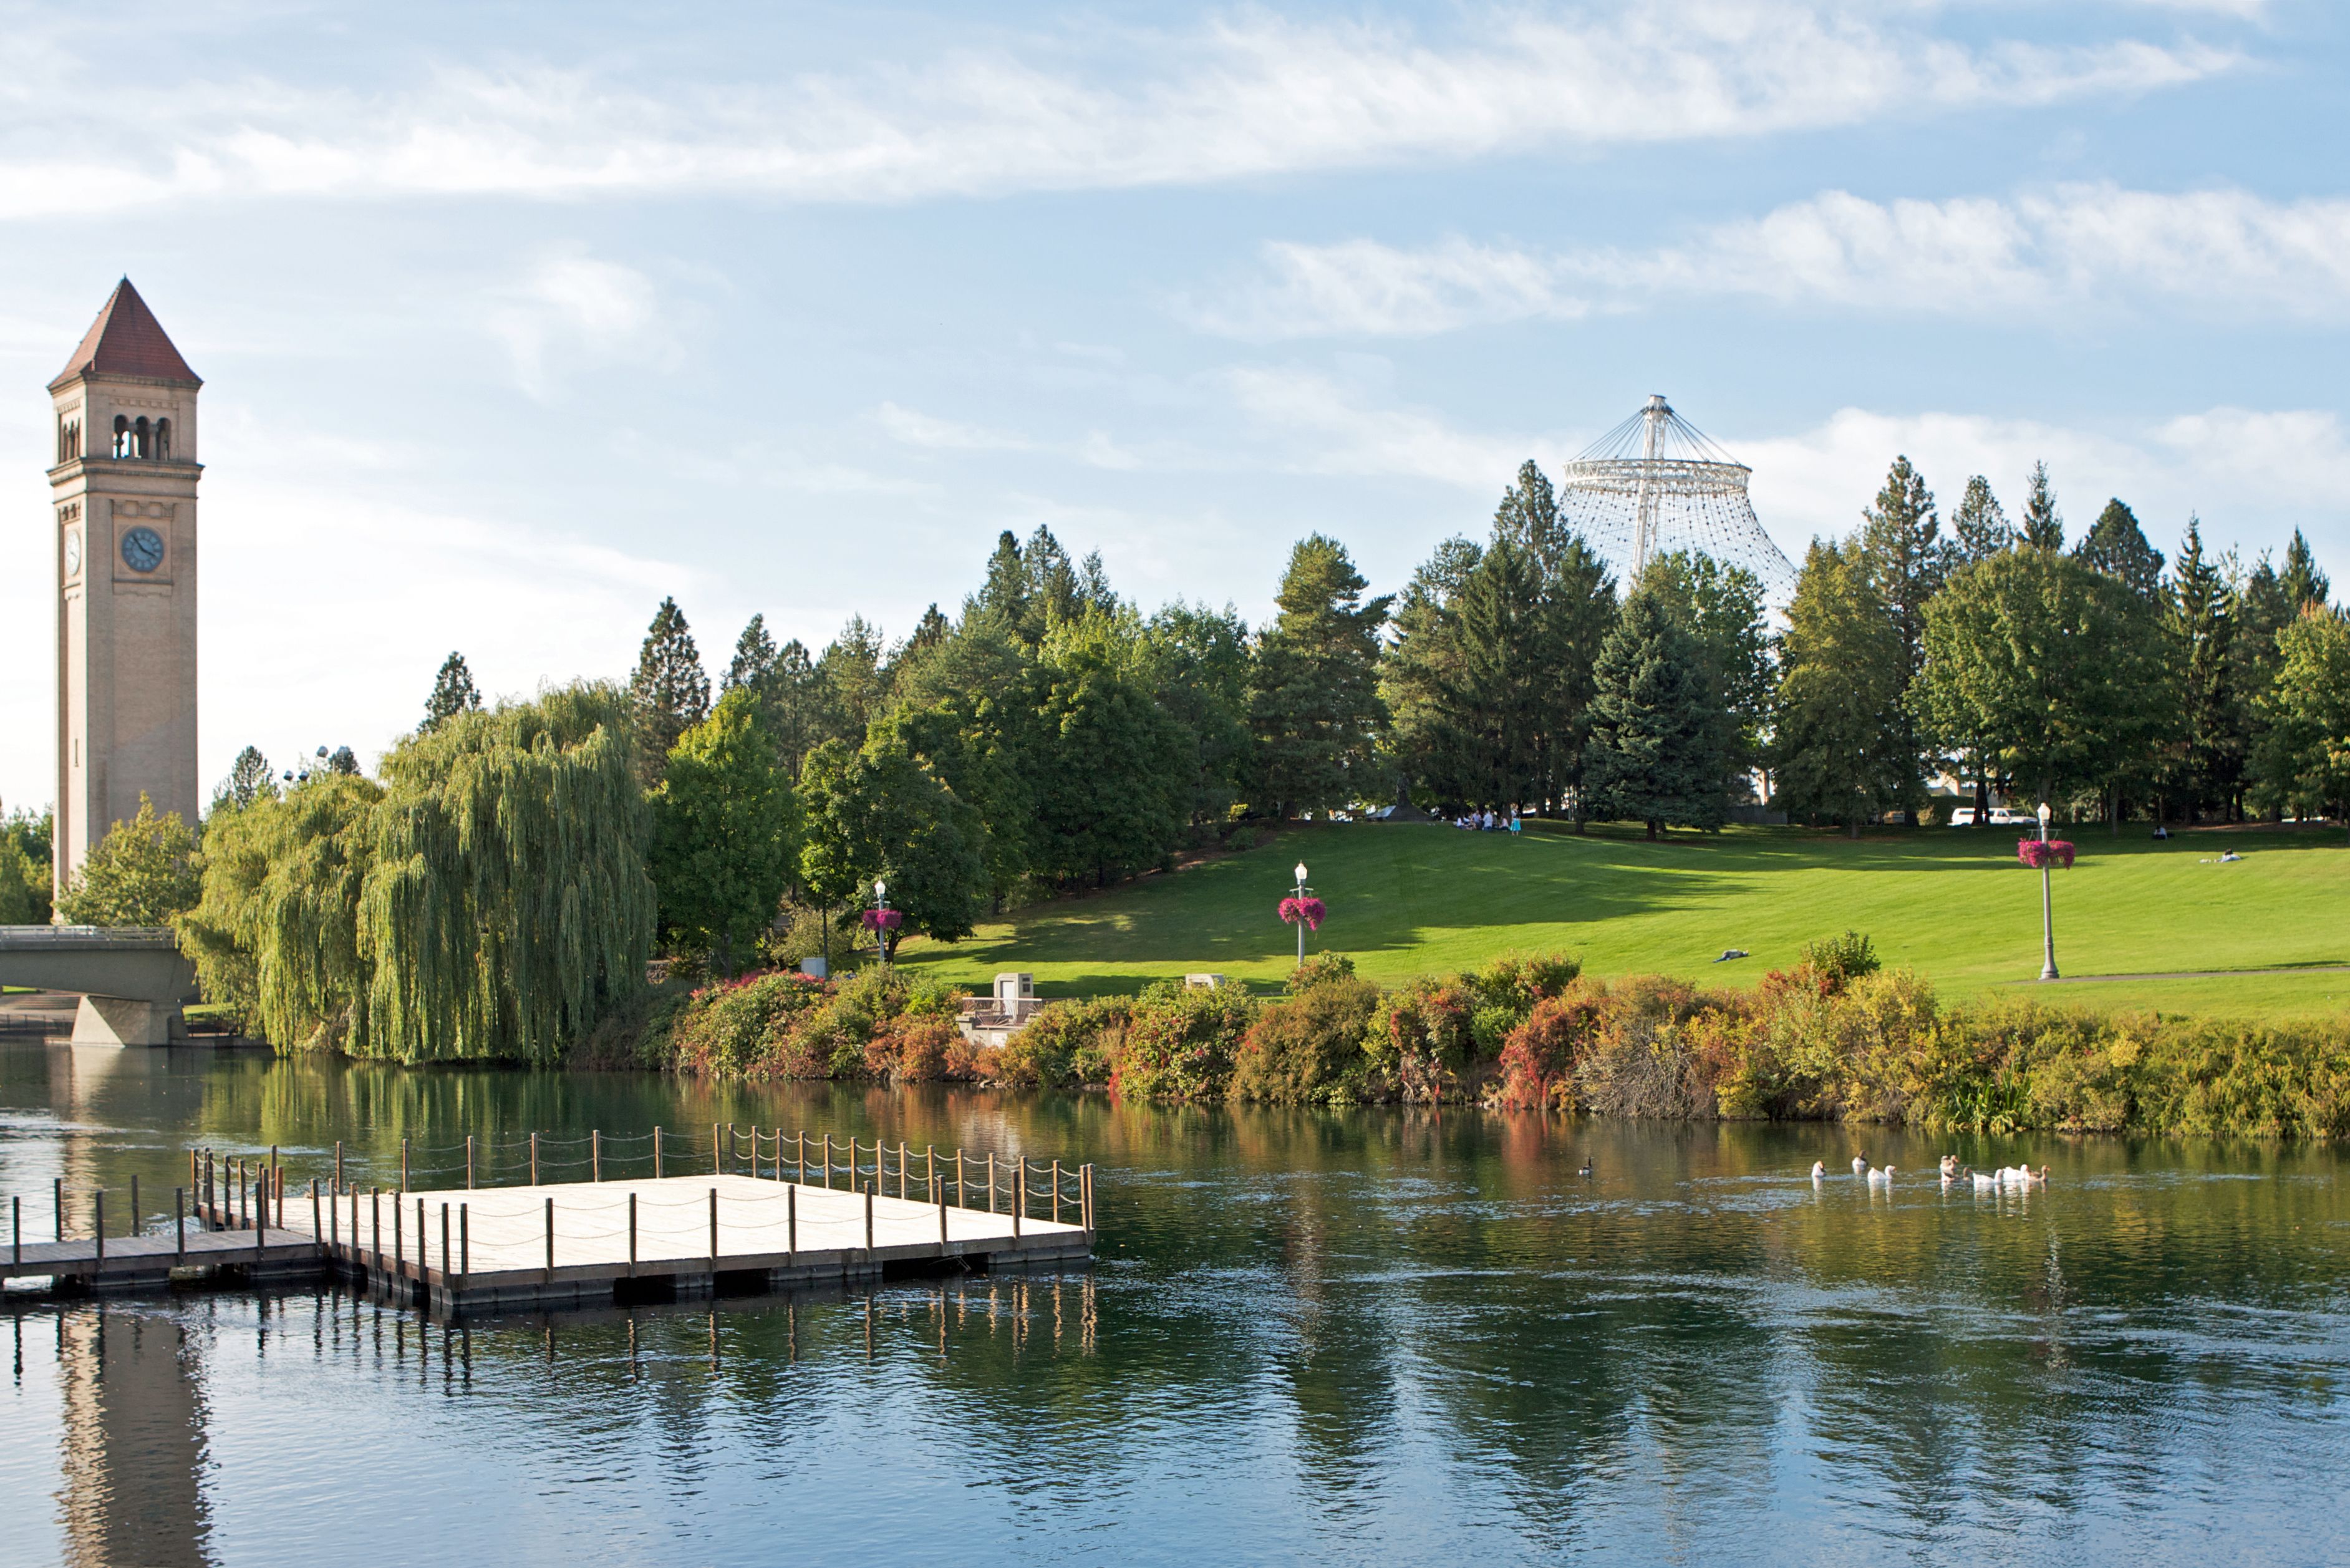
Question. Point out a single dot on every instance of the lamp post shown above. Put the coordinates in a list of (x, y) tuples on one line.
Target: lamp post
[(1301, 918), (881, 926), (2047, 918)]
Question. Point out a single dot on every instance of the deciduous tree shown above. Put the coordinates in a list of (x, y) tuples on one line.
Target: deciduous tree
[(141, 874), (725, 827)]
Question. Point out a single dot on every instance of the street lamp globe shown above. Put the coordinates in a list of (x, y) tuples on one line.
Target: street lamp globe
[(880, 889), (2044, 814), (1301, 870)]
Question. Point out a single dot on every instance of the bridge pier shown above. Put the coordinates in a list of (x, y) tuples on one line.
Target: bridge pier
[(128, 1021)]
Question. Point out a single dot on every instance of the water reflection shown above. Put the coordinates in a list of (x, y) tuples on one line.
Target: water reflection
[(1315, 1336)]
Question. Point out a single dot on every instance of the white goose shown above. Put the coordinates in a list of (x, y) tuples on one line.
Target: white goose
[(1985, 1182), (1882, 1177), (1860, 1165), (1818, 1170)]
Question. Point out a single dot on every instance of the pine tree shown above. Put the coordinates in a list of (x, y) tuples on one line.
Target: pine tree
[(344, 761), (1315, 704), (452, 694), (1901, 550), (1528, 516), (2265, 607), (2117, 547), (1654, 755), (1978, 528), (752, 669), (670, 692), (2044, 527), (1841, 742), (249, 780), (853, 680), (2303, 584), (2201, 613)]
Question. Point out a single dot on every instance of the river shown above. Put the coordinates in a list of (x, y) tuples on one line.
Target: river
[(1309, 1337)]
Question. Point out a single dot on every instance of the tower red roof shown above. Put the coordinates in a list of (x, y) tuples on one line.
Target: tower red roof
[(127, 340)]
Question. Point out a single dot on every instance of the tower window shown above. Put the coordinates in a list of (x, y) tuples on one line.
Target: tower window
[(121, 436), (69, 439), (162, 438), (142, 439)]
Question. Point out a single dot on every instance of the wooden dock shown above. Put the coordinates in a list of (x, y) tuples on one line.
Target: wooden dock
[(593, 1242)]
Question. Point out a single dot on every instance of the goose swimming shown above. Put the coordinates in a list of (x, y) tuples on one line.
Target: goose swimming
[(1860, 1165), (1983, 1182), (1882, 1177), (1818, 1170)]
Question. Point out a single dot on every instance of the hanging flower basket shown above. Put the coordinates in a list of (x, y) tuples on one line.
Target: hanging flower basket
[(883, 919), (1309, 910), (2038, 853)]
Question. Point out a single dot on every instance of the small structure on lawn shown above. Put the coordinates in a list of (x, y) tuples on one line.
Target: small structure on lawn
[(993, 1019)]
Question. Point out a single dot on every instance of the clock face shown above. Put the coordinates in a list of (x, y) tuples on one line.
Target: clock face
[(73, 551), (143, 550)]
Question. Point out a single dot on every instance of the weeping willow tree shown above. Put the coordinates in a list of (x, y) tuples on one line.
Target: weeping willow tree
[(489, 899), (276, 932)]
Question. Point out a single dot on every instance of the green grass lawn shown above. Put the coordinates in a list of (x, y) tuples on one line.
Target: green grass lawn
[(1954, 904)]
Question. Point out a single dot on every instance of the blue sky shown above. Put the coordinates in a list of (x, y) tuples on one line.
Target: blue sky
[(514, 319)]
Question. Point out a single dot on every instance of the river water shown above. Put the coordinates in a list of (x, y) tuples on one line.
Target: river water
[(1322, 1337)]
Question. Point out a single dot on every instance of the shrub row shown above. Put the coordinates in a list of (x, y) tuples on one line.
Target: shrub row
[(1832, 1038)]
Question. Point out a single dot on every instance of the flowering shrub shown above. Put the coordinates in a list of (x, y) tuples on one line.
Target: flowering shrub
[(1310, 910), (882, 919), (1422, 1036), (2039, 852)]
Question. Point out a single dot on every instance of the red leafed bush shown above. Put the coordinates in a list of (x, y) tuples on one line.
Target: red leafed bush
[(2039, 852), (1539, 1056)]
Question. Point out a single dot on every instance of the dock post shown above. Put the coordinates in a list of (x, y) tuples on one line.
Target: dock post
[(97, 1224), (16, 1229), (550, 1240), (338, 1167), (135, 1209), (192, 1168), (991, 1182), (424, 1244), (869, 1214), (902, 1169), (827, 1158), (633, 1235), (942, 1221), (1089, 1194), (260, 1232), (961, 1197), (717, 1152), (464, 1242), (533, 1160), (657, 1154), (403, 1164), (799, 1154), (58, 1190), (205, 1206), (375, 1212), (1019, 1195), (317, 1220), (276, 1185), (399, 1261), (444, 1240), (334, 1227), (755, 1151), (469, 1162), (713, 1231), (791, 1223), (1056, 1192), (595, 1152), (930, 1168), (178, 1222)]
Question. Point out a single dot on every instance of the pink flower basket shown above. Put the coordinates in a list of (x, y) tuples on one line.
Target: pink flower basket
[(2037, 853), (1309, 910), (883, 919)]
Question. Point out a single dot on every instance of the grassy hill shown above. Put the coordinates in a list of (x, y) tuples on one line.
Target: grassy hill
[(1954, 904)]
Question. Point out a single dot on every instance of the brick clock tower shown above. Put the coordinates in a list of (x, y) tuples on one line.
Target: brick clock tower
[(124, 495)]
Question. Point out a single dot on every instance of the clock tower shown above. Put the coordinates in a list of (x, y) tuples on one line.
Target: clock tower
[(123, 495)]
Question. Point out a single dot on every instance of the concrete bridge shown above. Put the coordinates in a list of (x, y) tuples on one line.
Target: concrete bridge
[(131, 979)]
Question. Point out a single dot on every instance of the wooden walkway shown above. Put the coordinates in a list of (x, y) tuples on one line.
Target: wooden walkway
[(584, 1243)]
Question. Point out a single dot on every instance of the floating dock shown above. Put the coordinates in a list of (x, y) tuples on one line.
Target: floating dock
[(454, 1250)]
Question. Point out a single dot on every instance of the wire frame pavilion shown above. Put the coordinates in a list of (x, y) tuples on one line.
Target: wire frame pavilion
[(1655, 484)]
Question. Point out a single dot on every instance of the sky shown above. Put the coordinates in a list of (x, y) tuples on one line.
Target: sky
[(515, 319)]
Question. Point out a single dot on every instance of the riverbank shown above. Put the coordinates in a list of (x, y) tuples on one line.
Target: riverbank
[(1832, 1038)]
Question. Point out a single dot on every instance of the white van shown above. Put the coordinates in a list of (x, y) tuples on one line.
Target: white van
[(2001, 817)]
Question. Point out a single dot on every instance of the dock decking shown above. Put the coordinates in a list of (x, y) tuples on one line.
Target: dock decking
[(579, 1243)]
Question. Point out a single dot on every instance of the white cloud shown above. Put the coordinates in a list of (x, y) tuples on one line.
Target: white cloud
[(2224, 252), (910, 427), (574, 310), (1245, 95), (1323, 425)]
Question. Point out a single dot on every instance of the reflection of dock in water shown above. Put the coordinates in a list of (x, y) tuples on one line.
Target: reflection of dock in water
[(586, 1243)]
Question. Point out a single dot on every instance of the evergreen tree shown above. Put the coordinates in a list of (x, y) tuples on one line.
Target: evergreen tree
[(1528, 516), (2265, 607), (1722, 607), (670, 692), (1422, 674), (249, 780), (2209, 756), (856, 687), (1843, 743), (1978, 528), (344, 761), (723, 834), (143, 873), (2044, 527), (1654, 755), (752, 668), (1203, 659), (1901, 550), (2303, 583), (1004, 594), (1315, 706), (2117, 547), (452, 694)]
